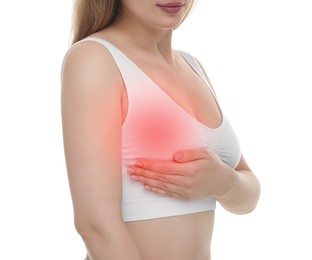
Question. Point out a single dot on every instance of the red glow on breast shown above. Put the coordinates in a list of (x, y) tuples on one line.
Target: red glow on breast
[(160, 129)]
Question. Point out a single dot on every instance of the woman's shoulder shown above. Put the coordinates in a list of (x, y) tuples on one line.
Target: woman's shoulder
[(95, 47), (88, 63), (87, 50)]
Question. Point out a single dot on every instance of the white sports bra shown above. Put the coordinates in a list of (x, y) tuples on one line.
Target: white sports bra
[(155, 128)]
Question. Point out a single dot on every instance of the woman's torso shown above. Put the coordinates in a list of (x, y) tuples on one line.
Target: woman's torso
[(184, 237), (188, 236)]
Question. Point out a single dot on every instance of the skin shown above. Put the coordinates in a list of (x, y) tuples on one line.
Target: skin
[(93, 94)]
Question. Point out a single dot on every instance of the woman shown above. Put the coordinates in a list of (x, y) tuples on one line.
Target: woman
[(148, 149)]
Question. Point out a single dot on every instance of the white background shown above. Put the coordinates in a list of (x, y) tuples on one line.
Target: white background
[(258, 56)]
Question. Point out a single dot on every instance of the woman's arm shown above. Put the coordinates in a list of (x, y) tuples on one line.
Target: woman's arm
[(243, 194), (199, 173), (237, 190), (92, 119)]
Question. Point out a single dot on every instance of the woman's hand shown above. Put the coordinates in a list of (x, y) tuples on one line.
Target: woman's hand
[(192, 174)]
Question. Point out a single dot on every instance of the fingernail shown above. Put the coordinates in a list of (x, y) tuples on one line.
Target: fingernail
[(147, 187), (135, 178), (139, 164), (131, 170), (178, 156), (131, 163)]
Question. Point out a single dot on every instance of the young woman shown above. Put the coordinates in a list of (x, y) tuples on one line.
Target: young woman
[(148, 150)]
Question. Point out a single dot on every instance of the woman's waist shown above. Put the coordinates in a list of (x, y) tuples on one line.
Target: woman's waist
[(177, 237)]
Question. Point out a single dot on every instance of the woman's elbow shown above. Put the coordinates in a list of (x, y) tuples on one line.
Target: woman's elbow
[(88, 228), (247, 205)]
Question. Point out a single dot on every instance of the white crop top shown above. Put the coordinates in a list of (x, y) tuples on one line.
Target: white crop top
[(155, 128)]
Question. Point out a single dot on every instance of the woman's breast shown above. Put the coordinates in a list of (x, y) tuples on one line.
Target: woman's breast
[(157, 130), (174, 238)]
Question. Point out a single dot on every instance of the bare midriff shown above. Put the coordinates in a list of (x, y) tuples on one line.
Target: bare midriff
[(186, 237)]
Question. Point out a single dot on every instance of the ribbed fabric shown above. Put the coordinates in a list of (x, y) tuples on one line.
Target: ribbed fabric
[(155, 128)]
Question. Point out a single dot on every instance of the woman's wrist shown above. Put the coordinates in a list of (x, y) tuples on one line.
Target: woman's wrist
[(229, 179)]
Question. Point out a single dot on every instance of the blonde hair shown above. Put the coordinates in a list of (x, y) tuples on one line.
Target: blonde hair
[(90, 16)]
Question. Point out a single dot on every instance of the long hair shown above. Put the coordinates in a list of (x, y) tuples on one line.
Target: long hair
[(90, 16)]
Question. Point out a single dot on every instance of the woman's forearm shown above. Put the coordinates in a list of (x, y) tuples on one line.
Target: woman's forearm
[(243, 197)]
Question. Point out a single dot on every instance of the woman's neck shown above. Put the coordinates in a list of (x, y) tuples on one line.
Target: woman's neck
[(145, 38)]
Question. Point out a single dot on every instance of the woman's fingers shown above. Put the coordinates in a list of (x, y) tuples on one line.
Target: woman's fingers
[(160, 166), (158, 186), (191, 155), (153, 175)]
